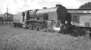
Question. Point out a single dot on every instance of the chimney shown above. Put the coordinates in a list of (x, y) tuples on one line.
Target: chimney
[(58, 5)]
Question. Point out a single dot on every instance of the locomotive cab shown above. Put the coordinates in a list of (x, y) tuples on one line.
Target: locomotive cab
[(21, 18)]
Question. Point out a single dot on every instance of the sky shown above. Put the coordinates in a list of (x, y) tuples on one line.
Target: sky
[(15, 6)]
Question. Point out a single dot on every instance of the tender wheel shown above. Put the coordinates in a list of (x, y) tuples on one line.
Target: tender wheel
[(14, 25)]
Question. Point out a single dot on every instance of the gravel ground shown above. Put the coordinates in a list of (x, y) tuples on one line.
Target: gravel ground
[(22, 39)]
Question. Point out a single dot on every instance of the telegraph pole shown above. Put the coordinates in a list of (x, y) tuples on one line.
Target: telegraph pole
[(6, 15), (7, 11)]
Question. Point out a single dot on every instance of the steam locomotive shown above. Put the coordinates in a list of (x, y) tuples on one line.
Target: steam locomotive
[(37, 19), (48, 19)]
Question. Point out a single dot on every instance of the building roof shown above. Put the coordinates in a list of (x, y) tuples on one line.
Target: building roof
[(79, 11), (1, 15)]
